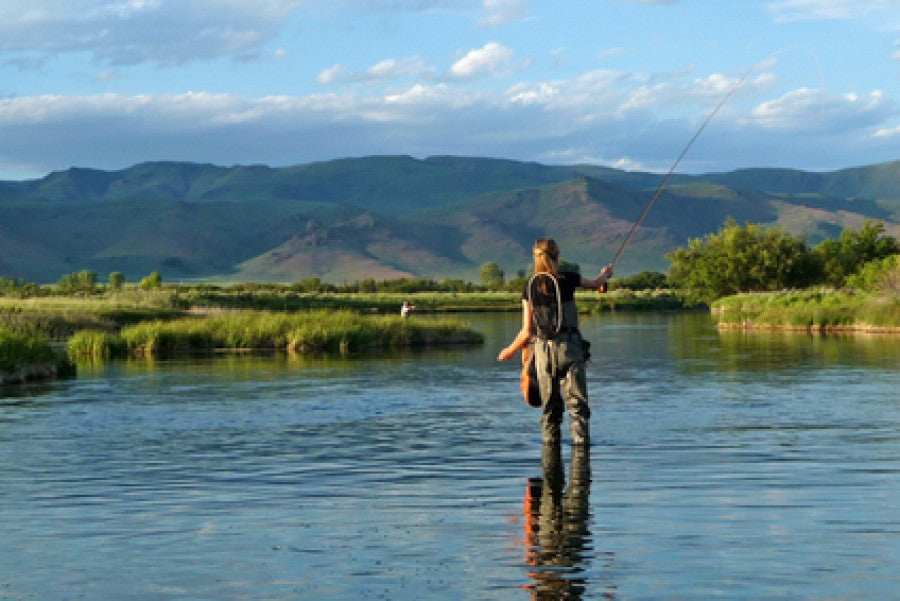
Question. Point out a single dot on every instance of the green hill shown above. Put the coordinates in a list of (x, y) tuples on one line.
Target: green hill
[(397, 216)]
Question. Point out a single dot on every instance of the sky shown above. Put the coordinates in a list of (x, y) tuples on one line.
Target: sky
[(106, 84)]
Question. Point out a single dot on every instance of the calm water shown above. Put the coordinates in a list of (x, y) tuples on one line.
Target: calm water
[(730, 466)]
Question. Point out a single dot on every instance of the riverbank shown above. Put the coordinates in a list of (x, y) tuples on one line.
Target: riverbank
[(59, 317), (25, 358), (810, 310), (313, 331), (185, 319)]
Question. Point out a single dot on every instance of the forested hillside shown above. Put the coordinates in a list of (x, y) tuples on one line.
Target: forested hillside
[(396, 216)]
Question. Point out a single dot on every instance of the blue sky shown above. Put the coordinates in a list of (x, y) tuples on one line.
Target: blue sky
[(110, 83)]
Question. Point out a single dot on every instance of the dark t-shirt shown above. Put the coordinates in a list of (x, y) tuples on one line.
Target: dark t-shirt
[(568, 282)]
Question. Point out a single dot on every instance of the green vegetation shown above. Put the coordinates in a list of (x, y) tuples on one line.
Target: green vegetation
[(57, 317), (29, 358), (81, 281), (726, 270), (385, 217), (97, 343), (732, 269), (492, 277), (255, 330), (755, 258), (809, 310), (852, 251), (740, 259)]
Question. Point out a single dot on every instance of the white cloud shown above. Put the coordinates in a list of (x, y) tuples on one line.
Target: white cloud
[(793, 110), (393, 68), (381, 72), (487, 60), (603, 113), (122, 33), (806, 109), (612, 52), (332, 74), (646, 97), (500, 12), (600, 90), (800, 10)]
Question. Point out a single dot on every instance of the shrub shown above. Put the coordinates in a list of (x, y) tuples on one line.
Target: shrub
[(21, 354), (96, 343)]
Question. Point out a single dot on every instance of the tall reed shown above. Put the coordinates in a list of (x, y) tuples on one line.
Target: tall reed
[(315, 330), (24, 357)]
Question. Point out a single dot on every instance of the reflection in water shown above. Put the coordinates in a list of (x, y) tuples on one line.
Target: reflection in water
[(557, 535), (734, 465)]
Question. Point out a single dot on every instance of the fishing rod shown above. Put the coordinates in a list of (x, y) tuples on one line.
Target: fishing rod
[(677, 162)]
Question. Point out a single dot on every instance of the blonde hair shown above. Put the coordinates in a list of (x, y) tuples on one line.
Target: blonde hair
[(546, 256)]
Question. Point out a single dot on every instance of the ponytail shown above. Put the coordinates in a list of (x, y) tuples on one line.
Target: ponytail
[(546, 259)]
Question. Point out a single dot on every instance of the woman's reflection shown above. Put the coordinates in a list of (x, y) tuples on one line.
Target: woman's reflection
[(556, 526)]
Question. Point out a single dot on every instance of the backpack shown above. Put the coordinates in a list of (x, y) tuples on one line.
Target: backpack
[(545, 298)]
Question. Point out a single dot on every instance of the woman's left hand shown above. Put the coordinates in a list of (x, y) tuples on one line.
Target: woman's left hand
[(605, 274)]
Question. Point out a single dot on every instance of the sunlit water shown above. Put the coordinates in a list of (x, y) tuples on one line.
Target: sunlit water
[(733, 466)]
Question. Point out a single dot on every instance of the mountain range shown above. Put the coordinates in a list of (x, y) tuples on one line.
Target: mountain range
[(386, 217)]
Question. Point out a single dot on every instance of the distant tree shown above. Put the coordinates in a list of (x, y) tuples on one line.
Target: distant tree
[(880, 275), (20, 288), (8, 285), (845, 256), (310, 284), (154, 280), (492, 276), (740, 259), (517, 284), (116, 280), (645, 280), (79, 281), (456, 285)]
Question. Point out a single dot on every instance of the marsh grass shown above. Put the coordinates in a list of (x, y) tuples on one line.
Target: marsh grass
[(342, 331), (59, 317), (96, 343), (809, 309), (24, 357)]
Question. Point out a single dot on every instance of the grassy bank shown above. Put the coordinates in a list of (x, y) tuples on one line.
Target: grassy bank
[(810, 310), (176, 318), (24, 358), (343, 331), (428, 302), (58, 317)]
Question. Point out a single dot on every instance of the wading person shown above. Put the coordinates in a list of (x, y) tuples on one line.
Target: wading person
[(550, 323)]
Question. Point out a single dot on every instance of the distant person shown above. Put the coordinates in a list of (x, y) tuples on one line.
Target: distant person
[(550, 323), (406, 309)]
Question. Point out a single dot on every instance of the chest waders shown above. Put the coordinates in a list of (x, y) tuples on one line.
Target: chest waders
[(560, 353)]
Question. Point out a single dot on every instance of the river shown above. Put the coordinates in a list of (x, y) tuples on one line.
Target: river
[(723, 466)]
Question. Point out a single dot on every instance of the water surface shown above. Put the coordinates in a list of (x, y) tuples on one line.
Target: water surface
[(723, 465)]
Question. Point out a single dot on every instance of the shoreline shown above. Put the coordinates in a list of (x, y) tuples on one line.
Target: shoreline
[(812, 329)]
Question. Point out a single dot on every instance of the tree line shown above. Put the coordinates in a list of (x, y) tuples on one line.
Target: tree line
[(754, 258), (735, 259)]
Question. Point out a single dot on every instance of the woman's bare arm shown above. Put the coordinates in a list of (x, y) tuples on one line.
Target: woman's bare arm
[(522, 338)]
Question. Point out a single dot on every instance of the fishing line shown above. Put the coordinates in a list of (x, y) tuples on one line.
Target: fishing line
[(722, 102)]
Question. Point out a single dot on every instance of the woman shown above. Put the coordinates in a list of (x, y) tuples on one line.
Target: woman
[(550, 322)]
